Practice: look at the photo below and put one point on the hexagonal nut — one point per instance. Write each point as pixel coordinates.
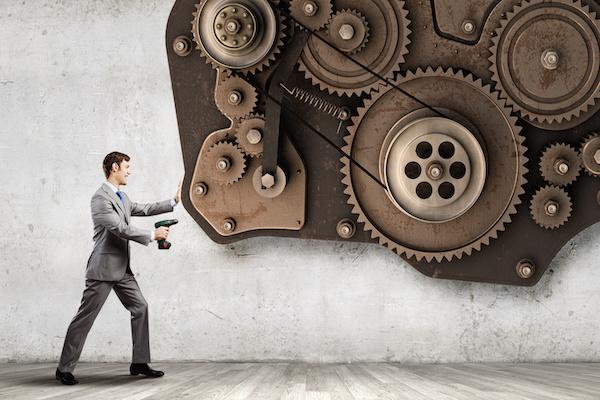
(525, 269)
(268, 181)
(597, 156)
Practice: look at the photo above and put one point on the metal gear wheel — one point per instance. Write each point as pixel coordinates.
(590, 155)
(313, 14)
(249, 135)
(560, 164)
(551, 207)
(546, 60)
(226, 162)
(383, 53)
(235, 97)
(240, 35)
(348, 31)
(481, 114)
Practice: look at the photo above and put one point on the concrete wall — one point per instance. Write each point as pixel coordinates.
(81, 78)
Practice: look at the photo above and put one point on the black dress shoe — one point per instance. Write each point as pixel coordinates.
(144, 369)
(66, 378)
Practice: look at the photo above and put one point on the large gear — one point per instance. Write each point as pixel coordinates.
(312, 14)
(546, 60)
(383, 54)
(249, 135)
(551, 207)
(240, 35)
(480, 114)
(560, 164)
(590, 155)
(225, 162)
(235, 97)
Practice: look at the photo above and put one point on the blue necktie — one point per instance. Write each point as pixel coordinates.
(120, 194)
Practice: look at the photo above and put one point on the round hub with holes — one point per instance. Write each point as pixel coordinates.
(434, 168)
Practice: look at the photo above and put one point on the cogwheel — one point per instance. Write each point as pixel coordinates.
(560, 164)
(226, 163)
(546, 60)
(240, 35)
(551, 207)
(590, 155)
(348, 31)
(249, 135)
(313, 14)
(387, 117)
(383, 53)
(235, 97)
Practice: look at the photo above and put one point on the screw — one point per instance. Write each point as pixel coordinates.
(268, 181)
(254, 136)
(468, 26)
(346, 229)
(435, 171)
(551, 208)
(229, 225)
(597, 156)
(223, 15)
(561, 167)
(234, 98)
(550, 59)
(346, 31)
(201, 189)
(182, 46)
(525, 269)
(232, 27)
(223, 164)
(309, 8)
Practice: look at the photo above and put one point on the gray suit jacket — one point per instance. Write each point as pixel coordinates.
(112, 232)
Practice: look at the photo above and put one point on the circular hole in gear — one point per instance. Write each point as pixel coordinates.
(424, 150)
(446, 150)
(412, 170)
(458, 170)
(424, 190)
(446, 190)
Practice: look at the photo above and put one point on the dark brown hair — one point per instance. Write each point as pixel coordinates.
(110, 159)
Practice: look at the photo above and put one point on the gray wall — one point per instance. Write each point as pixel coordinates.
(81, 78)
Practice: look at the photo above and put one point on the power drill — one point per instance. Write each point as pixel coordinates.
(163, 244)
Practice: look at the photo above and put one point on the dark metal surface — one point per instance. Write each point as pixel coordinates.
(193, 82)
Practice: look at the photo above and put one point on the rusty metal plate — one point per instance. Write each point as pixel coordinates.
(536, 124)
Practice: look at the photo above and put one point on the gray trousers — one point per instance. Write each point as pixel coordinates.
(94, 296)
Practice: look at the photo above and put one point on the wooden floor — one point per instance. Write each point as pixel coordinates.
(361, 381)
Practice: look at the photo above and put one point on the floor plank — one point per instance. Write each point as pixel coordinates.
(299, 381)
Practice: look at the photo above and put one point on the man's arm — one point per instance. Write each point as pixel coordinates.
(105, 215)
(149, 209)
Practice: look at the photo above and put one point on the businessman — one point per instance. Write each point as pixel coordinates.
(108, 268)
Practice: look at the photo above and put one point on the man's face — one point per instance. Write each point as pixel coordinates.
(121, 172)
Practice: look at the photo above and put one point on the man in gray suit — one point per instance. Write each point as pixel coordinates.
(108, 268)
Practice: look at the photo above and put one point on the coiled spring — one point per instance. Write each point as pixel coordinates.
(320, 104)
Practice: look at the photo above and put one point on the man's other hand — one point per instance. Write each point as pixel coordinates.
(178, 194)
(161, 233)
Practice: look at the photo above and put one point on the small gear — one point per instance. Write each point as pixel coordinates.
(235, 97)
(383, 54)
(546, 60)
(560, 164)
(313, 14)
(225, 163)
(249, 135)
(348, 31)
(551, 207)
(240, 35)
(590, 155)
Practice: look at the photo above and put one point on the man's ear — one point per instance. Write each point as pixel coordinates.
(115, 167)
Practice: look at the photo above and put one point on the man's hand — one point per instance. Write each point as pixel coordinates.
(178, 194)
(161, 233)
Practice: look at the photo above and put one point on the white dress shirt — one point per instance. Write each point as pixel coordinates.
(116, 189)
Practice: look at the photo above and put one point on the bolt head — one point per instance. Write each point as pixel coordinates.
(562, 167)
(345, 229)
(550, 59)
(525, 269)
(200, 189)
(234, 98)
(597, 156)
(223, 164)
(346, 31)
(309, 8)
(468, 26)
(254, 136)
(229, 225)
(551, 208)
(268, 181)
